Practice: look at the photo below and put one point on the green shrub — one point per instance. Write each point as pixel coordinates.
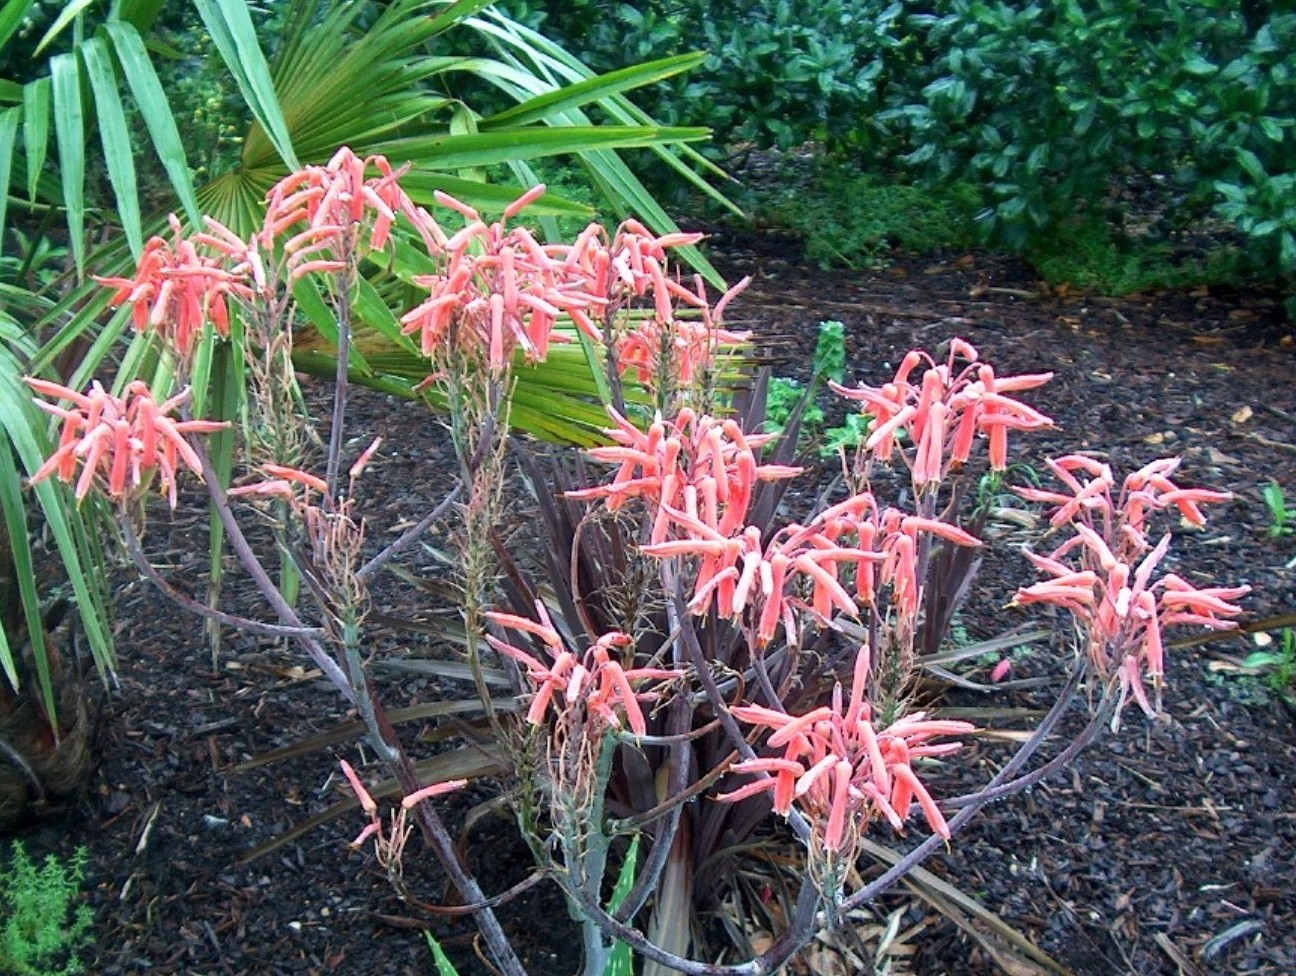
(850, 218)
(1051, 105)
(1089, 254)
(1045, 107)
(780, 72)
(41, 927)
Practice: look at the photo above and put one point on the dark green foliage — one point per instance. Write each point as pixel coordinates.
(1050, 109)
(1051, 105)
(780, 72)
(851, 218)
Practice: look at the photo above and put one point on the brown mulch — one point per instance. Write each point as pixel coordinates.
(1169, 849)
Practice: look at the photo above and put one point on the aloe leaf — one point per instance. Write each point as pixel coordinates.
(443, 964)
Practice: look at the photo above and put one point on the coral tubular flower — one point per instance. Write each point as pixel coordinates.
(119, 443)
(332, 201)
(840, 769)
(499, 290)
(593, 686)
(436, 789)
(943, 411)
(1104, 572)
(180, 286)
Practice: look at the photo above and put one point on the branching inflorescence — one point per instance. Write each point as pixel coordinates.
(710, 692)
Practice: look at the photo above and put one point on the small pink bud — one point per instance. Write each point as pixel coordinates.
(1001, 670)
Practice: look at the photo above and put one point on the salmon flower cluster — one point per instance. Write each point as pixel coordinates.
(634, 270)
(841, 770)
(944, 411)
(499, 289)
(182, 284)
(694, 466)
(1104, 572)
(697, 476)
(594, 681)
(496, 288)
(333, 202)
(119, 442)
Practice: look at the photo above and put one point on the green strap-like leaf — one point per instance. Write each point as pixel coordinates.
(12, 15)
(528, 142)
(36, 117)
(69, 128)
(68, 14)
(8, 138)
(231, 29)
(593, 89)
(116, 139)
(20, 550)
(153, 106)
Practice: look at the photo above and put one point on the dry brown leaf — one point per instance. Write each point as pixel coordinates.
(1242, 415)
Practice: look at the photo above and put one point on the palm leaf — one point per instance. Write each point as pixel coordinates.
(230, 26)
(28, 445)
(69, 132)
(116, 142)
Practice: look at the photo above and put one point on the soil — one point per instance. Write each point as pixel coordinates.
(1168, 849)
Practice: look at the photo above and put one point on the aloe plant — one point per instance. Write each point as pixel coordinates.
(362, 74)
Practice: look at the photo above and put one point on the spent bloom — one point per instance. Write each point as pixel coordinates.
(390, 839)
(944, 410)
(118, 442)
(595, 681)
(1104, 572)
(843, 771)
(335, 537)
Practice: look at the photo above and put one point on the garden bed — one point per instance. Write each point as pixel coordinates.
(1168, 849)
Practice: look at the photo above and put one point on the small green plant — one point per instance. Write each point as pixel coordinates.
(784, 393)
(783, 396)
(1281, 517)
(1278, 666)
(830, 351)
(881, 213)
(40, 924)
(852, 434)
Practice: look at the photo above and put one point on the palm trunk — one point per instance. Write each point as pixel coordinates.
(43, 763)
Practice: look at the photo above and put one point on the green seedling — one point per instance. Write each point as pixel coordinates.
(1281, 518)
(784, 393)
(1278, 666)
(848, 437)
